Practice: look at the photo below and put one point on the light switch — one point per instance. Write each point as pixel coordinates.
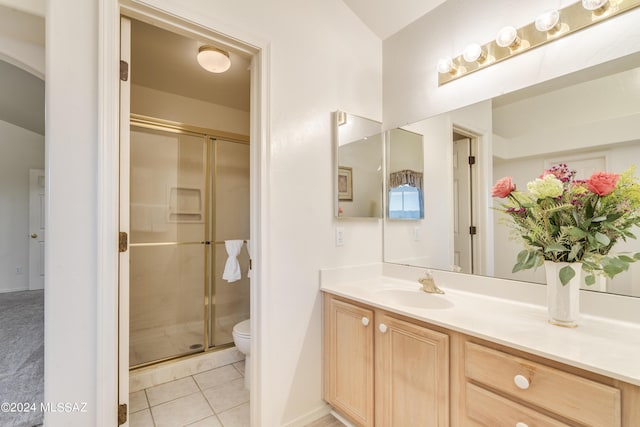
(416, 234)
(339, 236)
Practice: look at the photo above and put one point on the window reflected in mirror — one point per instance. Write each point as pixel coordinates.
(405, 166)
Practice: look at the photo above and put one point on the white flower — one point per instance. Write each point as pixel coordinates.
(547, 186)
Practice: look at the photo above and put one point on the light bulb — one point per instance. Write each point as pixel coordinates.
(594, 5)
(473, 53)
(508, 37)
(445, 65)
(548, 20)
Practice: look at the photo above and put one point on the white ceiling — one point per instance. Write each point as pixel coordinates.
(387, 17)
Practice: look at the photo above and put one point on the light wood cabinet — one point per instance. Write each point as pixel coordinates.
(348, 360)
(430, 376)
(411, 367)
(412, 374)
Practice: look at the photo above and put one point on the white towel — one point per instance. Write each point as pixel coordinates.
(232, 266)
(249, 252)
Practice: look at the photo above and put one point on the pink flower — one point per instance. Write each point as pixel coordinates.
(602, 183)
(504, 187)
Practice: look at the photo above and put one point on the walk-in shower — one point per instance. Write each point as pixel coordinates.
(189, 192)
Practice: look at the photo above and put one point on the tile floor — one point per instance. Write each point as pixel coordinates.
(215, 398)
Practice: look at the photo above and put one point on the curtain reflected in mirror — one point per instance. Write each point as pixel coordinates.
(405, 178)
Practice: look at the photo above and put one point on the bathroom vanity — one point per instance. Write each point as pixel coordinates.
(394, 355)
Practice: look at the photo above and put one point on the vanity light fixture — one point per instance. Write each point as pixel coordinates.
(213, 59)
(473, 53)
(508, 37)
(547, 27)
(548, 21)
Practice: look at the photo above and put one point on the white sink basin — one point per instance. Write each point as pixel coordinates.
(413, 298)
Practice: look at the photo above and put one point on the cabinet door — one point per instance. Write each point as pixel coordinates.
(349, 359)
(412, 374)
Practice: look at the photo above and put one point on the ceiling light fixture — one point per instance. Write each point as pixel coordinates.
(548, 21)
(508, 37)
(213, 59)
(473, 53)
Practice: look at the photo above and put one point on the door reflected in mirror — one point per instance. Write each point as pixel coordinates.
(588, 120)
(358, 169)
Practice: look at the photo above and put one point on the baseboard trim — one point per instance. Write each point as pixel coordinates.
(4, 291)
(310, 417)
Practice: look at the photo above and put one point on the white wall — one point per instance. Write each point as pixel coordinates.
(322, 58)
(411, 91)
(20, 150)
(168, 106)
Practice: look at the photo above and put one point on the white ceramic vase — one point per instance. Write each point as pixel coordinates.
(563, 302)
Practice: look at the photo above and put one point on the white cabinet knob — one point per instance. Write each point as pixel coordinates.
(383, 328)
(365, 321)
(521, 382)
(521, 425)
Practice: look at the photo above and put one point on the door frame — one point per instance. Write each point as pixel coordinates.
(173, 18)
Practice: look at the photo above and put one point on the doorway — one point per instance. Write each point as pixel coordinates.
(198, 135)
(465, 227)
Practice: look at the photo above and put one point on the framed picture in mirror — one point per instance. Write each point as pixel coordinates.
(345, 183)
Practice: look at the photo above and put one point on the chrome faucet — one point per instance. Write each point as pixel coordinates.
(428, 284)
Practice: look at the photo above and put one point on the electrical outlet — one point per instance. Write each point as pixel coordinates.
(416, 234)
(19, 269)
(339, 236)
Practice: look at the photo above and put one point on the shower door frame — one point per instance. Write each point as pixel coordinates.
(210, 136)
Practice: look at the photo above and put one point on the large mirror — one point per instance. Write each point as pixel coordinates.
(358, 171)
(589, 120)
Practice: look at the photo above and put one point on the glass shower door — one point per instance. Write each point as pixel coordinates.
(230, 205)
(168, 253)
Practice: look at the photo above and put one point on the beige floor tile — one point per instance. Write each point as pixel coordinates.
(207, 422)
(182, 411)
(168, 391)
(138, 401)
(227, 396)
(141, 419)
(236, 417)
(239, 366)
(217, 376)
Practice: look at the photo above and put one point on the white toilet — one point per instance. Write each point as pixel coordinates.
(242, 339)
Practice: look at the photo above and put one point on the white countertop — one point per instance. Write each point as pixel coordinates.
(608, 347)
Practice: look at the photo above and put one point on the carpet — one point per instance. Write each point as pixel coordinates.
(22, 357)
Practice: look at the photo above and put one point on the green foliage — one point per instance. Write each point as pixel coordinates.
(577, 226)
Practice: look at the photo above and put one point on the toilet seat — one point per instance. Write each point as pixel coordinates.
(243, 328)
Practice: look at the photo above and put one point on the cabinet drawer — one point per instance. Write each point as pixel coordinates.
(491, 410)
(570, 396)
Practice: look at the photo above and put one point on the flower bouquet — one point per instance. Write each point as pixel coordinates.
(562, 219)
